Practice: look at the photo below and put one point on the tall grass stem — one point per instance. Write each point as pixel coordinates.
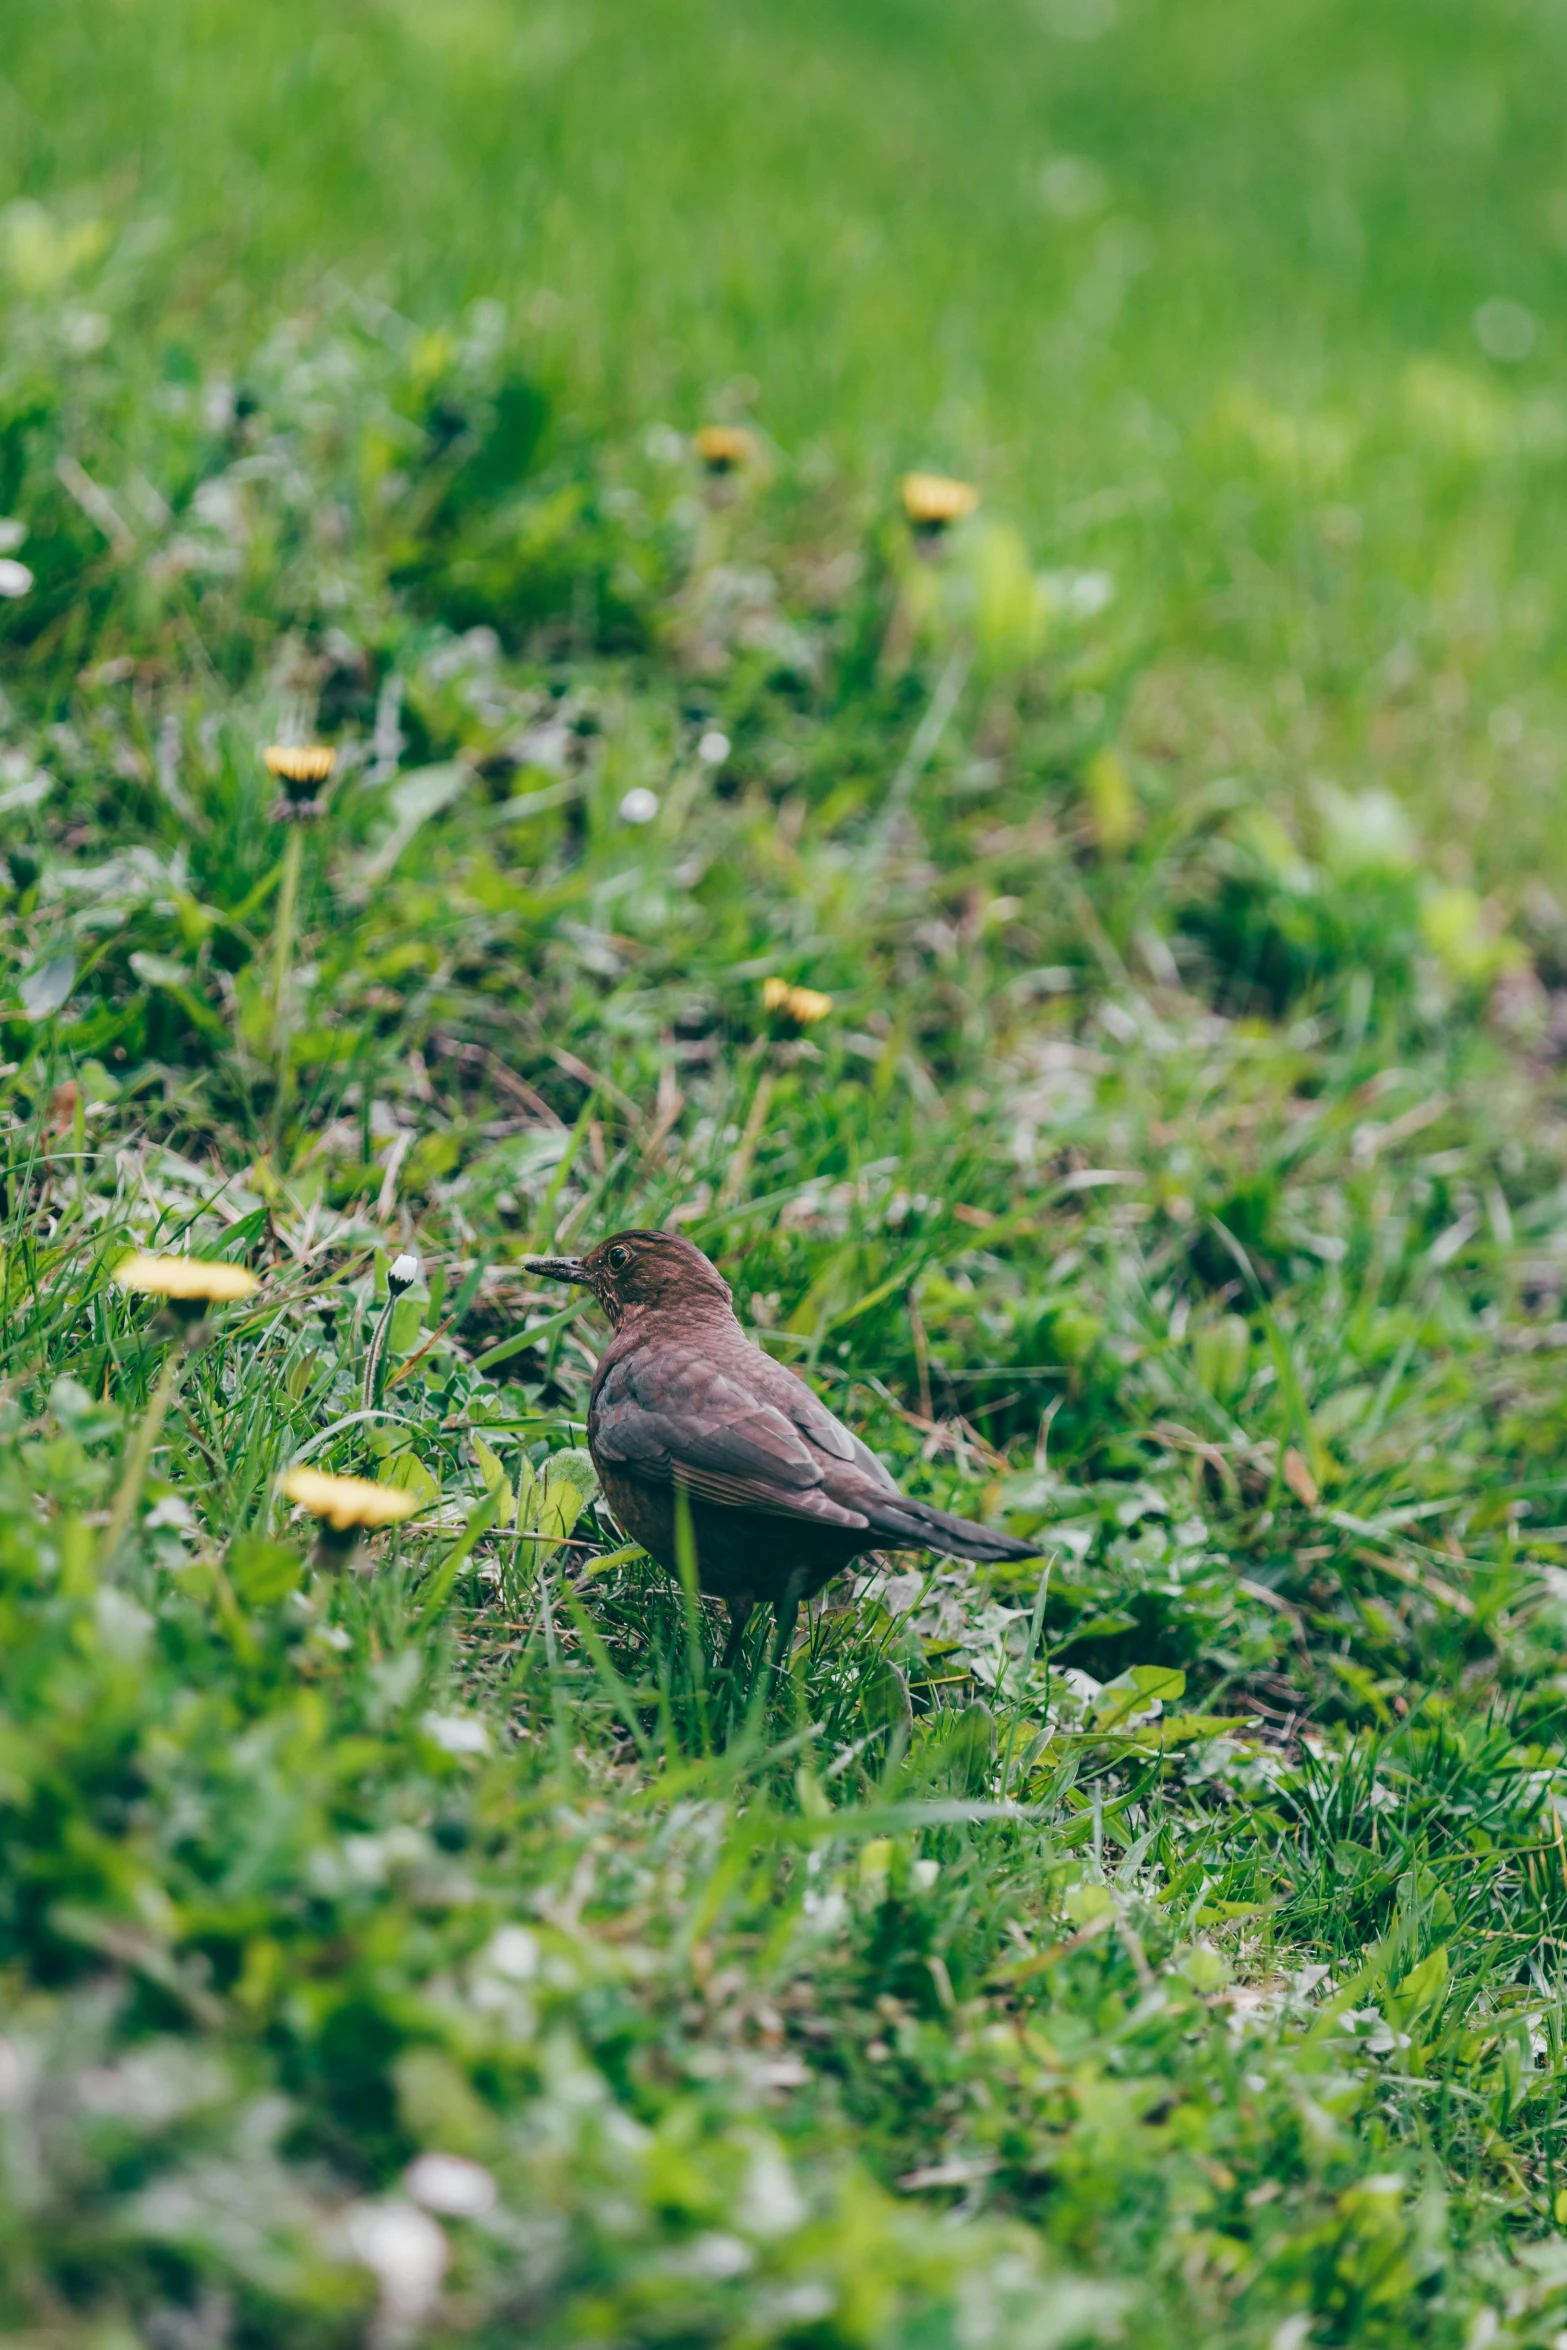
(139, 1456)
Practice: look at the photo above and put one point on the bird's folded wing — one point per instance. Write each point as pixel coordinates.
(829, 1435)
(853, 1473)
(684, 1419)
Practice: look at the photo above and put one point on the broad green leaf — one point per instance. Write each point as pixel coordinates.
(1423, 1986)
(409, 1471)
(1134, 1691)
(495, 1480)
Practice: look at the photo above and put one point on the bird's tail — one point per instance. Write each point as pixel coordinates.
(909, 1525)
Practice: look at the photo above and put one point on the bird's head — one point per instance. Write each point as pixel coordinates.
(642, 1270)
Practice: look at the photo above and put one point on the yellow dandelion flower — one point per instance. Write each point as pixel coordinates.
(300, 763)
(803, 1005)
(186, 1280)
(349, 1503)
(188, 1286)
(724, 448)
(932, 500)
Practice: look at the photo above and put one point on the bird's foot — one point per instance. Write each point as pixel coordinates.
(787, 1612)
(739, 1617)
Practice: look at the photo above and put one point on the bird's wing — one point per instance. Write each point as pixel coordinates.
(856, 1479)
(680, 1416)
(823, 1430)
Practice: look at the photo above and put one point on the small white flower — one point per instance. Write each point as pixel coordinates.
(403, 1272)
(123, 1627)
(451, 2185)
(172, 1511)
(12, 533)
(1078, 595)
(923, 1875)
(457, 1733)
(639, 806)
(769, 2202)
(720, 2256)
(15, 578)
(514, 1953)
(84, 331)
(713, 749)
(406, 2253)
(803, 2304)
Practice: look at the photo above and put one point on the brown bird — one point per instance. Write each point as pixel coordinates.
(781, 1494)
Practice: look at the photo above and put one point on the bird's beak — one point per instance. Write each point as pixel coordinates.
(556, 1268)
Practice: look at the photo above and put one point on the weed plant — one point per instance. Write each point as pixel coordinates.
(1151, 1139)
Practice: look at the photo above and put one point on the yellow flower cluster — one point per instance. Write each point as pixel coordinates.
(185, 1280)
(348, 1502)
(724, 448)
(933, 500)
(300, 763)
(803, 1005)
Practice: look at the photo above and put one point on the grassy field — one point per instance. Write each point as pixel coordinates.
(1161, 1943)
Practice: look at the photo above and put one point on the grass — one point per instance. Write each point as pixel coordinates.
(1161, 1942)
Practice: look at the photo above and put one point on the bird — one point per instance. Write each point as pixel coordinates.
(780, 1494)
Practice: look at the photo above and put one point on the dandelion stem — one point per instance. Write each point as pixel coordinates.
(927, 735)
(140, 1455)
(283, 954)
(375, 1355)
(401, 1274)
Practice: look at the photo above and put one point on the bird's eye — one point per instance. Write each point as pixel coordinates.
(619, 1258)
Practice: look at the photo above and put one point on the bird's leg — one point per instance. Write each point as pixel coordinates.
(787, 1612)
(739, 1616)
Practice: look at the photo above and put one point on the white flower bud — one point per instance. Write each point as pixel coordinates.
(406, 2252)
(451, 2185)
(402, 1273)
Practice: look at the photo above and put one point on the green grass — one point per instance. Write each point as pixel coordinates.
(1162, 1943)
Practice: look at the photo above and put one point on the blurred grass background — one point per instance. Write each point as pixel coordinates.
(1259, 309)
(1173, 1072)
(863, 207)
